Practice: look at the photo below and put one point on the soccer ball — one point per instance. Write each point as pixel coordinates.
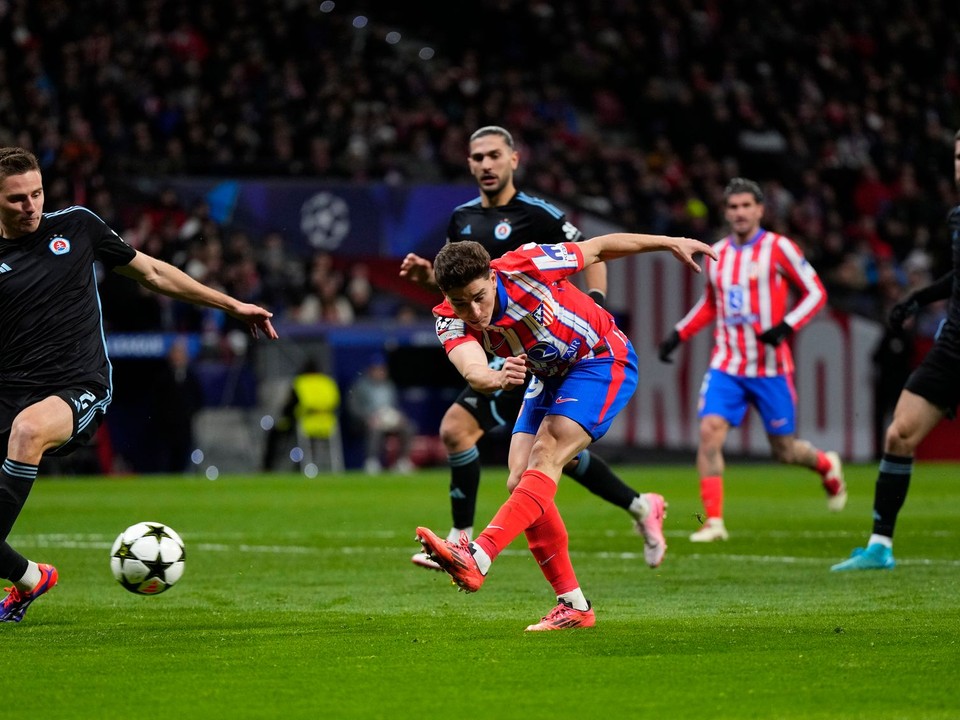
(147, 558)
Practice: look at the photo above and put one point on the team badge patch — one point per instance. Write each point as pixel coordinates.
(502, 230)
(59, 245)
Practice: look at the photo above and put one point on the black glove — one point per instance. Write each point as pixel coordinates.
(901, 311)
(668, 346)
(598, 297)
(776, 335)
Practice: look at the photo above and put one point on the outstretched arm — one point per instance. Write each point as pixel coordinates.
(595, 279)
(617, 245)
(471, 361)
(164, 278)
(939, 289)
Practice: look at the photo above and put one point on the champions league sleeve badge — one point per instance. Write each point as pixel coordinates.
(59, 245)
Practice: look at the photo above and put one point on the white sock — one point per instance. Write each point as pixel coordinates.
(483, 560)
(882, 540)
(575, 597)
(30, 578)
(454, 534)
(639, 507)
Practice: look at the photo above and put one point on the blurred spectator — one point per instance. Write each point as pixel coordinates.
(359, 291)
(324, 300)
(280, 274)
(374, 407)
(179, 397)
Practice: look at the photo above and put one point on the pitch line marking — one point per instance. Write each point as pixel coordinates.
(100, 542)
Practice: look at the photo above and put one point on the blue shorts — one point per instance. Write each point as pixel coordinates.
(591, 394)
(729, 396)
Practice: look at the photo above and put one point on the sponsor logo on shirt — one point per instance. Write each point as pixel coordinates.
(572, 350)
(542, 355)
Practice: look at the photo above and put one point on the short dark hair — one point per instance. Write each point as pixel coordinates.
(493, 130)
(740, 185)
(460, 263)
(16, 161)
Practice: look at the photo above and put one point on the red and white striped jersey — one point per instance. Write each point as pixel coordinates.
(541, 313)
(746, 293)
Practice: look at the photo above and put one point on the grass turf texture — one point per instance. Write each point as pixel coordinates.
(299, 601)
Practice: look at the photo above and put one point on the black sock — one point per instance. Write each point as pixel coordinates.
(16, 480)
(464, 484)
(890, 492)
(13, 565)
(597, 477)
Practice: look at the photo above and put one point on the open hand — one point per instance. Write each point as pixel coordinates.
(686, 248)
(417, 269)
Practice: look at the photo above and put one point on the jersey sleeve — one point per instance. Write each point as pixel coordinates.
(571, 233)
(800, 274)
(550, 262)
(703, 313)
(108, 247)
(451, 330)
(554, 227)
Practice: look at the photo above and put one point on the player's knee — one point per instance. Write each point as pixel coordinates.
(450, 436)
(459, 430)
(454, 434)
(899, 439)
(27, 434)
(711, 433)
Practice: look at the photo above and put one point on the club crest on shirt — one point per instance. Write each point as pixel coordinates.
(544, 315)
(502, 230)
(59, 245)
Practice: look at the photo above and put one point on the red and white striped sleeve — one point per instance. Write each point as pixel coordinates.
(703, 313)
(791, 263)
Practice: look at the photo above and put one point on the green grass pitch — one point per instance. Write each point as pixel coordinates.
(299, 601)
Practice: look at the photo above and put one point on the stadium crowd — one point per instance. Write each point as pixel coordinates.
(637, 111)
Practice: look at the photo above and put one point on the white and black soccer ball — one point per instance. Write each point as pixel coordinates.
(147, 558)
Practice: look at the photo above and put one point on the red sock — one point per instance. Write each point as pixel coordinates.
(823, 464)
(548, 542)
(711, 492)
(532, 496)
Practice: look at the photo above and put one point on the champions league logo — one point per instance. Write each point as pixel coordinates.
(325, 220)
(59, 245)
(502, 230)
